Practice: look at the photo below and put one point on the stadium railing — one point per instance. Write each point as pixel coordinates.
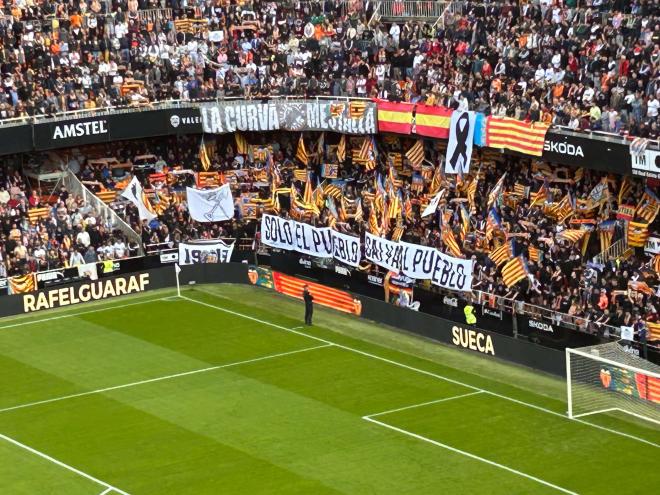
(193, 103)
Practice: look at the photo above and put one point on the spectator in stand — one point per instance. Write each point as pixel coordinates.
(500, 55)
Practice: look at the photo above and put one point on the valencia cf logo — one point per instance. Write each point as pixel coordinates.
(605, 378)
(253, 275)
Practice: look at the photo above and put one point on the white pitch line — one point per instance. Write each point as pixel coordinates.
(437, 401)
(71, 315)
(104, 492)
(63, 465)
(468, 454)
(160, 378)
(424, 372)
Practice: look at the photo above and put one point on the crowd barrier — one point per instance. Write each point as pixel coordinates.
(563, 147)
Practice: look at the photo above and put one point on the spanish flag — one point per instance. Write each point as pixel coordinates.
(432, 121)
(502, 254)
(395, 117)
(638, 233)
(301, 153)
(516, 135)
(514, 271)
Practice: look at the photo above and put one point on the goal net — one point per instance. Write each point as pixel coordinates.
(605, 378)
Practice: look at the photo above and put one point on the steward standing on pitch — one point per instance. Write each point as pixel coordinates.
(309, 305)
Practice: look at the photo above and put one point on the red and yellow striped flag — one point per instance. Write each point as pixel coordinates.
(204, 158)
(516, 135)
(301, 152)
(341, 148)
(534, 253)
(471, 193)
(502, 254)
(539, 197)
(656, 263)
(638, 233)
(654, 330)
(514, 271)
(397, 233)
(415, 155)
(648, 207)
(395, 117)
(571, 235)
(450, 241)
(307, 195)
(241, 144)
(373, 221)
(625, 188)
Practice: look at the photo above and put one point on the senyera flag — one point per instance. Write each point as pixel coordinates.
(516, 135)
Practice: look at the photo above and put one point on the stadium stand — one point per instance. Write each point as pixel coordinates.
(584, 65)
(544, 235)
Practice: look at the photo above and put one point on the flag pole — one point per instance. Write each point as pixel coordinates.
(177, 270)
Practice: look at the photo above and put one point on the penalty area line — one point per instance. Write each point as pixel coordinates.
(422, 404)
(163, 378)
(417, 370)
(468, 454)
(109, 487)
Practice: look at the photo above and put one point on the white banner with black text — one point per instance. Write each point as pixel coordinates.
(211, 251)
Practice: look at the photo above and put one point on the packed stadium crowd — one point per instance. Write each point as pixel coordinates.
(587, 65)
(555, 219)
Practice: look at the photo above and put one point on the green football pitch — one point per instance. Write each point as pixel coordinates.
(223, 391)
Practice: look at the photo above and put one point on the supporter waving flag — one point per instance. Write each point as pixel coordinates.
(135, 195)
(514, 271)
(301, 152)
(648, 207)
(502, 254)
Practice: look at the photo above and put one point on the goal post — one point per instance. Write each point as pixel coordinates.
(605, 378)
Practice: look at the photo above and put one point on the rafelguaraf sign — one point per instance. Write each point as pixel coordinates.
(87, 291)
